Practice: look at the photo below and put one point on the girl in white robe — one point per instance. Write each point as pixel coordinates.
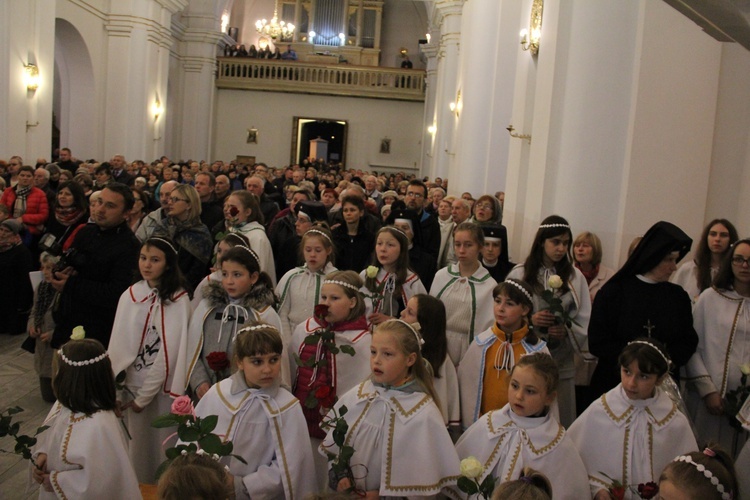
(83, 453)
(550, 256)
(245, 294)
(702, 475)
(722, 320)
(315, 367)
(401, 446)
(230, 240)
(149, 345)
(484, 372)
(524, 433)
(429, 313)
(263, 421)
(299, 289)
(633, 431)
(388, 291)
(466, 290)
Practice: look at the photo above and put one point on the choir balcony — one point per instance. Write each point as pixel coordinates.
(278, 75)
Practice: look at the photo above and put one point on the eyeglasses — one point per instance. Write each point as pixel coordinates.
(172, 199)
(483, 206)
(738, 261)
(412, 194)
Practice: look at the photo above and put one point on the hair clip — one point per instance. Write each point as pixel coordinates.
(85, 362)
(666, 359)
(165, 242)
(518, 285)
(709, 452)
(725, 495)
(552, 226)
(317, 231)
(341, 283)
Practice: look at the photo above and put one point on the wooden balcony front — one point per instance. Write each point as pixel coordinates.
(278, 75)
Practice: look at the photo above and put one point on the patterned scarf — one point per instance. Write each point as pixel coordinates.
(20, 206)
(67, 216)
(45, 297)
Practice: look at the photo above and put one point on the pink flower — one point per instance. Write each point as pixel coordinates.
(183, 406)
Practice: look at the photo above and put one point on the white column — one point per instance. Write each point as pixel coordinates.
(430, 51)
(449, 15)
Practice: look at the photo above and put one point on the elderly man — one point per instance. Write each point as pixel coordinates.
(436, 196)
(99, 267)
(460, 212)
(119, 174)
(154, 218)
(371, 190)
(256, 185)
(41, 181)
(211, 212)
(222, 189)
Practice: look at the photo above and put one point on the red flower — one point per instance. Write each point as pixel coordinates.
(617, 492)
(218, 361)
(648, 490)
(325, 396)
(233, 211)
(320, 313)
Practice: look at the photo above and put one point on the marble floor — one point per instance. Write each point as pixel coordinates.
(19, 386)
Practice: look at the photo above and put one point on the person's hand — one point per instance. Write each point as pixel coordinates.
(34, 331)
(38, 472)
(557, 331)
(713, 403)
(344, 484)
(202, 389)
(46, 336)
(543, 319)
(59, 278)
(131, 405)
(377, 318)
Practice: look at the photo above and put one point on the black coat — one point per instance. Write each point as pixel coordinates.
(106, 263)
(353, 252)
(16, 294)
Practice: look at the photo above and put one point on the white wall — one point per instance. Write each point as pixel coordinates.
(370, 120)
(404, 24)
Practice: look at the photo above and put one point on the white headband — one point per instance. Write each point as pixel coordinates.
(85, 361)
(303, 214)
(341, 283)
(725, 495)
(165, 242)
(420, 340)
(255, 255)
(666, 360)
(262, 326)
(551, 226)
(400, 230)
(316, 231)
(403, 221)
(517, 285)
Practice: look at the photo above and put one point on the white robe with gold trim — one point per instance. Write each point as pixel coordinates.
(631, 441)
(299, 292)
(86, 456)
(399, 439)
(506, 443)
(268, 430)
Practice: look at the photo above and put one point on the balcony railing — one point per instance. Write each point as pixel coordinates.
(329, 79)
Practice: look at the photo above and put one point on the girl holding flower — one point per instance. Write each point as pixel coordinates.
(149, 347)
(722, 320)
(389, 282)
(245, 294)
(550, 272)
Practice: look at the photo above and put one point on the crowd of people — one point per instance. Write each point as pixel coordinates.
(284, 299)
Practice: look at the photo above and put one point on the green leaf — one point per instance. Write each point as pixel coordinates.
(41, 429)
(240, 459)
(208, 424)
(343, 410)
(311, 340)
(188, 434)
(172, 453)
(311, 401)
(162, 421)
(334, 350)
(467, 485)
(347, 349)
(210, 443)
(226, 449)
(488, 485)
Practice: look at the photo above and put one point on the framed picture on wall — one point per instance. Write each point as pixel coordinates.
(252, 135)
(385, 146)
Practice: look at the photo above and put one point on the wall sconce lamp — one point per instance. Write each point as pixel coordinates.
(31, 77)
(530, 38)
(157, 109)
(510, 130)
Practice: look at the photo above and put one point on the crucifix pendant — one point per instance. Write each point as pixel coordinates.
(648, 327)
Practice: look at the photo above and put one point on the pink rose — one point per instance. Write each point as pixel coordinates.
(183, 406)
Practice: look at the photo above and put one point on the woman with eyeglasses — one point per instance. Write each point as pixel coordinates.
(722, 320)
(696, 275)
(182, 225)
(487, 210)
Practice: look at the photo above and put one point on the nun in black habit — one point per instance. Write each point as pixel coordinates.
(639, 301)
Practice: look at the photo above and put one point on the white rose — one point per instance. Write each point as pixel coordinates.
(745, 369)
(78, 333)
(471, 468)
(555, 282)
(372, 271)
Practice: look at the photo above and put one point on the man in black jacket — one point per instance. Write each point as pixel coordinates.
(416, 193)
(99, 266)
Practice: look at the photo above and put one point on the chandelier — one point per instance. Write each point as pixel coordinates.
(275, 28)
